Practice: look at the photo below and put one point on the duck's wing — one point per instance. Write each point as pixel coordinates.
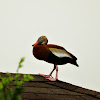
(60, 51)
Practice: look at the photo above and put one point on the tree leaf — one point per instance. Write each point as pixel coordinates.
(20, 66)
(9, 74)
(22, 60)
(1, 86)
(17, 76)
(10, 79)
(30, 77)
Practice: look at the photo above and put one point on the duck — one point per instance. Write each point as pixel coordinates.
(52, 53)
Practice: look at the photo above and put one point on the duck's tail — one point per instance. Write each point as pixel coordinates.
(74, 62)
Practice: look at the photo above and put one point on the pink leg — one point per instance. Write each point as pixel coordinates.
(50, 75)
(56, 78)
(56, 73)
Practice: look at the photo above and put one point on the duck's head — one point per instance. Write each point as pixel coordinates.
(41, 40)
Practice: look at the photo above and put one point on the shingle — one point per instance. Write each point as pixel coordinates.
(86, 97)
(63, 85)
(50, 97)
(30, 96)
(50, 91)
(38, 84)
(38, 90)
(98, 95)
(60, 97)
(86, 91)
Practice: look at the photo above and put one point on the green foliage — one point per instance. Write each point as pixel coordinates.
(11, 86)
(20, 64)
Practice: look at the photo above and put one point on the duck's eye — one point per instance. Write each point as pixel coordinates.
(40, 37)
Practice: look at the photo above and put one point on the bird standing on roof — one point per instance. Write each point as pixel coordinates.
(51, 53)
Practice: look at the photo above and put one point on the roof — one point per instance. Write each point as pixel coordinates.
(43, 89)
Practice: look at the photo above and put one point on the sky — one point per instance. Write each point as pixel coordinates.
(73, 24)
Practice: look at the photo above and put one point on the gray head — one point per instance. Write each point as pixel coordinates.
(43, 40)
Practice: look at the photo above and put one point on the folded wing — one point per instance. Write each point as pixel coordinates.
(60, 52)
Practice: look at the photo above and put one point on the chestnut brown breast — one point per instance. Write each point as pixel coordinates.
(41, 52)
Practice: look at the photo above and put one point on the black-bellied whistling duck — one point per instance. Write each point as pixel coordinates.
(54, 54)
